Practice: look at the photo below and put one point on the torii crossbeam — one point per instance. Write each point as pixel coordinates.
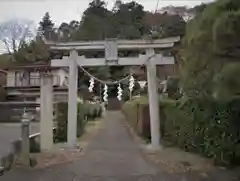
(111, 48)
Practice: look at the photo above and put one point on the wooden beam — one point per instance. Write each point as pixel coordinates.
(122, 44)
(129, 61)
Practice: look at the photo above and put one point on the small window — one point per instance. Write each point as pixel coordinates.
(22, 78)
(18, 78)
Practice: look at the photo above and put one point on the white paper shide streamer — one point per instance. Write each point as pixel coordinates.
(105, 93)
(131, 83)
(91, 86)
(119, 92)
(142, 83)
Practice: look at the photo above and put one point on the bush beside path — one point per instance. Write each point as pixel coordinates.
(177, 137)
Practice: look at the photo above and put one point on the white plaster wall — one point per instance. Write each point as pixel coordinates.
(10, 78)
(62, 75)
(55, 77)
(58, 77)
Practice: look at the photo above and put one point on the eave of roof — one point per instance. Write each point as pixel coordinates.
(34, 65)
(3, 71)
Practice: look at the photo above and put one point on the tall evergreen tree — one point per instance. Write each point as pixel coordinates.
(129, 20)
(95, 23)
(46, 26)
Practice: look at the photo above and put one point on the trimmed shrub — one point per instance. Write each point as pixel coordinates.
(61, 120)
(81, 122)
(86, 112)
(208, 127)
(173, 87)
(137, 114)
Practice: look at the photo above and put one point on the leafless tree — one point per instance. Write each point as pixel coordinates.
(14, 33)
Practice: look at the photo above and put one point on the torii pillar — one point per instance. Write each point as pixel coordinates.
(46, 111)
(153, 102)
(72, 99)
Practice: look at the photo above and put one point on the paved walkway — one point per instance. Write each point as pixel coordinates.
(111, 156)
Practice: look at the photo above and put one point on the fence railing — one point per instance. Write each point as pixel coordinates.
(12, 111)
(31, 81)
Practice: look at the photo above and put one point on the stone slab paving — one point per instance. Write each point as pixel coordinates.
(112, 155)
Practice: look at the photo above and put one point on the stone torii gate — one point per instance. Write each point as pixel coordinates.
(111, 47)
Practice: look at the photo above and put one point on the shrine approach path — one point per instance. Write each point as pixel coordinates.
(112, 155)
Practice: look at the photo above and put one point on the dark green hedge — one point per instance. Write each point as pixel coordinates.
(208, 127)
(137, 114)
(86, 112)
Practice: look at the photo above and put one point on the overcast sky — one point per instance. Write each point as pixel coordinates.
(67, 10)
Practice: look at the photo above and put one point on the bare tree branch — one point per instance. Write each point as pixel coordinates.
(26, 33)
(14, 46)
(7, 46)
(15, 33)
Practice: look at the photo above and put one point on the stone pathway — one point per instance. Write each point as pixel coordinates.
(112, 155)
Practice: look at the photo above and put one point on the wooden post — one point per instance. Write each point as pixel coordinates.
(72, 100)
(46, 112)
(153, 102)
